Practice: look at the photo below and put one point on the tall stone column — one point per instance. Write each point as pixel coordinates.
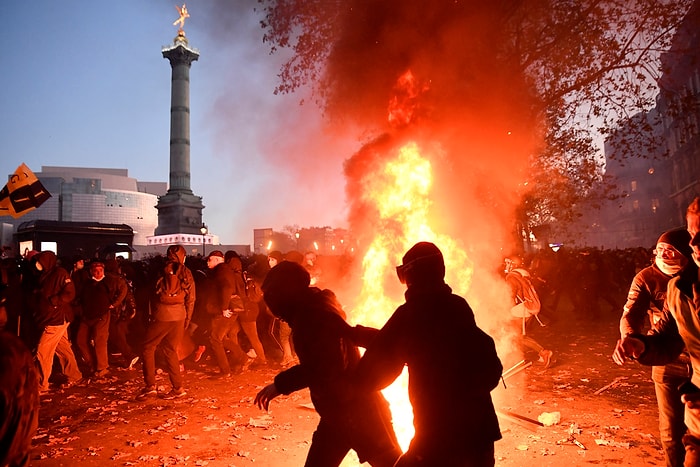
(179, 210)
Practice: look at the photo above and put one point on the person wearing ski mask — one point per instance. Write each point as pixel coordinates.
(642, 311)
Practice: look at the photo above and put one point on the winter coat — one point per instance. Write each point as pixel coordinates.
(221, 284)
(452, 366)
(179, 311)
(55, 292)
(678, 328)
(327, 355)
(101, 297)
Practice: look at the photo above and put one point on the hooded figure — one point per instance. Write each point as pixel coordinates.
(171, 316)
(52, 312)
(452, 367)
(350, 418)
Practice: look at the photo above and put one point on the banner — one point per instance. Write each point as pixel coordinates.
(22, 194)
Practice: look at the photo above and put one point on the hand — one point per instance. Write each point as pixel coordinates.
(628, 348)
(692, 402)
(227, 313)
(266, 394)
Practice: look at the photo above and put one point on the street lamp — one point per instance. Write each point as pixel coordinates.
(296, 234)
(204, 231)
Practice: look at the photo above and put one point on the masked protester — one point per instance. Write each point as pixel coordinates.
(677, 328)
(452, 367)
(642, 311)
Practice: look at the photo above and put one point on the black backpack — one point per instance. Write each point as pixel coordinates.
(171, 285)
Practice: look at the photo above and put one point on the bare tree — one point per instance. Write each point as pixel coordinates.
(570, 69)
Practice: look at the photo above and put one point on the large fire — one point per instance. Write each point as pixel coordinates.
(401, 195)
(394, 185)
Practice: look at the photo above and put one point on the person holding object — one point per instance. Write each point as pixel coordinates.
(677, 328)
(452, 367)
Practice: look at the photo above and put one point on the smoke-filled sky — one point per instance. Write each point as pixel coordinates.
(84, 84)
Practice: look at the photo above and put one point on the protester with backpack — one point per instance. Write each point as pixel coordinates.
(525, 306)
(171, 306)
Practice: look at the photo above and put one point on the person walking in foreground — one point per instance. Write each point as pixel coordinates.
(351, 418)
(643, 309)
(52, 311)
(171, 311)
(677, 328)
(452, 367)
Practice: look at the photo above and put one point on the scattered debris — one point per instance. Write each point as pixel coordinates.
(614, 383)
(549, 418)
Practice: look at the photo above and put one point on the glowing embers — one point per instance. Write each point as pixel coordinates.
(404, 105)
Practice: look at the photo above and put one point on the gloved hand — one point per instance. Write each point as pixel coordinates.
(227, 313)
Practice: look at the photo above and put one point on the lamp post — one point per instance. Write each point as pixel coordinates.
(204, 230)
(296, 234)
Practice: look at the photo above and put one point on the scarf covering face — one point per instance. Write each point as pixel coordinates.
(669, 266)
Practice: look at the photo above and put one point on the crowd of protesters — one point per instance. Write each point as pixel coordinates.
(94, 313)
(82, 316)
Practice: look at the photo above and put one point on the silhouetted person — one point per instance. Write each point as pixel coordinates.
(19, 401)
(350, 418)
(452, 367)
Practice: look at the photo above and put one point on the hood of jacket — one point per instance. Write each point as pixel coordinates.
(177, 253)
(47, 259)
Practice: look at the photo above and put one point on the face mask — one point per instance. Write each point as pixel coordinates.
(670, 267)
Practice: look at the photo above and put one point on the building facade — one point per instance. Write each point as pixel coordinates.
(656, 185)
(101, 195)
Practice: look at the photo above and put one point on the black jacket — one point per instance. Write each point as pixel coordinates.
(452, 365)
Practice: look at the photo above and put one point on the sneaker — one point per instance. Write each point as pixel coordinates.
(175, 393)
(149, 391)
(199, 352)
(247, 364)
(546, 358)
(133, 362)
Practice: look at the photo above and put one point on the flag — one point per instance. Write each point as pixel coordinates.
(22, 194)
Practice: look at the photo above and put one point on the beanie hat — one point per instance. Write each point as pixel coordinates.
(276, 254)
(422, 263)
(678, 239)
(218, 253)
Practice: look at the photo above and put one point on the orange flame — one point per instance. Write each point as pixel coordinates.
(400, 194)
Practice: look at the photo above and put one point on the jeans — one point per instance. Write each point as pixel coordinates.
(224, 336)
(169, 335)
(119, 337)
(54, 342)
(96, 357)
(671, 411)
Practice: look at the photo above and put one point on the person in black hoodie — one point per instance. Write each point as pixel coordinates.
(350, 418)
(169, 317)
(452, 367)
(52, 310)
